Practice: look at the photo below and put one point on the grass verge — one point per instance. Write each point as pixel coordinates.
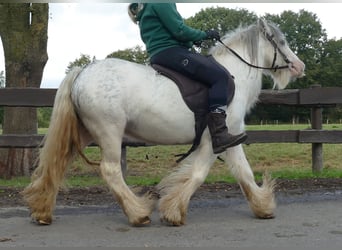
(92, 181)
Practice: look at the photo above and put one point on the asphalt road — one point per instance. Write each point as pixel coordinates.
(311, 219)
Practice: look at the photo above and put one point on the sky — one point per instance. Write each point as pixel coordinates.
(98, 29)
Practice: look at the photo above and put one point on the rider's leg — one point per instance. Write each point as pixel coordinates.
(221, 85)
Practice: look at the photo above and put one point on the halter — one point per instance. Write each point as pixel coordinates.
(270, 38)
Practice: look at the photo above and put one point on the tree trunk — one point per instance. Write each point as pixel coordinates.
(23, 30)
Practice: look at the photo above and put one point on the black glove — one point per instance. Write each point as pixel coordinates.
(213, 35)
(198, 43)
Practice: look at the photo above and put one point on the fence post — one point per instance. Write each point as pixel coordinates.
(123, 161)
(316, 148)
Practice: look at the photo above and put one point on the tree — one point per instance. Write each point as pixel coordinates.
(330, 74)
(330, 64)
(136, 54)
(82, 61)
(222, 19)
(23, 30)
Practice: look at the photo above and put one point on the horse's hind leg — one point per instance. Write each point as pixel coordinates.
(177, 189)
(137, 209)
(260, 199)
(47, 177)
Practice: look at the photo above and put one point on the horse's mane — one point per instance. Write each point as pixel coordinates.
(249, 37)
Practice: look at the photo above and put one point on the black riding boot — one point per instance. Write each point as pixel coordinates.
(221, 139)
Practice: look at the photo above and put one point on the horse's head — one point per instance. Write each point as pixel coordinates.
(287, 66)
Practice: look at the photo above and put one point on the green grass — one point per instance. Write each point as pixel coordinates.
(16, 182)
(147, 165)
(91, 181)
(291, 127)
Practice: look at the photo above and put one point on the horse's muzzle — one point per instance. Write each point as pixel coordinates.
(297, 68)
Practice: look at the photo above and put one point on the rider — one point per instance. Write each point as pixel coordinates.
(168, 41)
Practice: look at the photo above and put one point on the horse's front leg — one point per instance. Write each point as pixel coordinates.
(260, 198)
(177, 189)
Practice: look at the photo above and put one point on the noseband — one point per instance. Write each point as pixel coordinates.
(270, 38)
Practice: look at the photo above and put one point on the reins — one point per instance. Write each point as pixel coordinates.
(273, 67)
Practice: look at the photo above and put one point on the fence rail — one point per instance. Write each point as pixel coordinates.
(259, 136)
(314, 98)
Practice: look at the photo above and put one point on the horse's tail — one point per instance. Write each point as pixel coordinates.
(61, 143)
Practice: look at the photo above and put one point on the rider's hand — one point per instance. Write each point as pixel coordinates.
(198, 43)
(213, 35)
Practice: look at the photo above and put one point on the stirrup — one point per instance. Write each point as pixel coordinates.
(238, 139)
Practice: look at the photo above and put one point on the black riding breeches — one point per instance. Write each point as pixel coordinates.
(201, 68)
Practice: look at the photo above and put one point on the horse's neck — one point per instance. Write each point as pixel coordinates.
(248, 81)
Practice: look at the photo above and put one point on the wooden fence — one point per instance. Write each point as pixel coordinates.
(314, 98)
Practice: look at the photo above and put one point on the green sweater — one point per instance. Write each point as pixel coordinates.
(162, 27)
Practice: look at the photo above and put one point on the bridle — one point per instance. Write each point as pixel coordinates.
(270, 38)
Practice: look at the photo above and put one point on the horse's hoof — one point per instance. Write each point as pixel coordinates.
(267, 216)
(142, 222)
(43, 222)
(171, 223)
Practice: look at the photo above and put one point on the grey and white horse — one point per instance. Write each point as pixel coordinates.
(113, 98)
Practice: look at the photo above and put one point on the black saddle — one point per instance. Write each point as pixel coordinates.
(195, 94)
